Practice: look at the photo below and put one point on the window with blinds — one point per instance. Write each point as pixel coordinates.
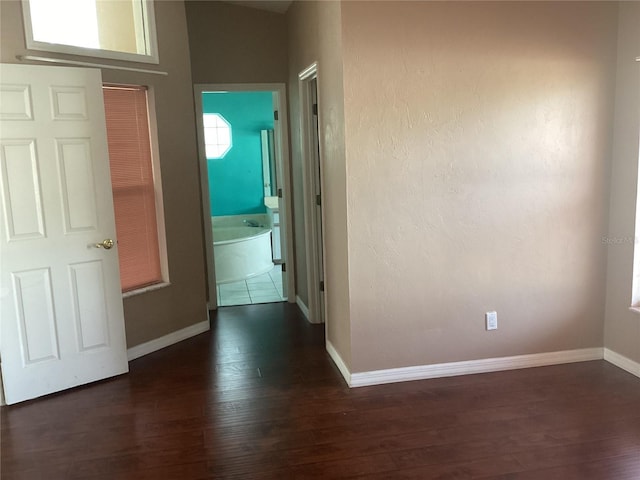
(132, 180)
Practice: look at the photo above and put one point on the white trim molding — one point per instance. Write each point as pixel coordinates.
(77, 63)
(303, 307)
(311, 71)
(622, 362)
(312, 185)
(2, 403)
(337, 359)
(168, 340)
(423, 372)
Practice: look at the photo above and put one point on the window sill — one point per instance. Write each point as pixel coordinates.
(64, 61)
(150, 288)
(635, 309)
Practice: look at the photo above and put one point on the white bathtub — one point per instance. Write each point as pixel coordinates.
(241, 252)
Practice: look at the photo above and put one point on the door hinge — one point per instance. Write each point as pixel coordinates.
(322, 285)
(284, 267)
(279, 193)
(315, 109)
(318, 200)
(275, 115)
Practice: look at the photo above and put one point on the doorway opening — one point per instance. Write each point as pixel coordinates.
(244, 170)
(313, 186)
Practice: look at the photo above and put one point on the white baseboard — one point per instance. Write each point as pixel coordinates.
(422, 372)
(303, 307)
(337, 359)
(2, 403)
(622, 362)
(162, 342)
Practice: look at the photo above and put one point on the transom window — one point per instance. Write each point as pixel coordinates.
(123, 30)
(217, 135)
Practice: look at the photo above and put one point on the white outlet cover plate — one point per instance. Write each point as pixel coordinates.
(491, 320)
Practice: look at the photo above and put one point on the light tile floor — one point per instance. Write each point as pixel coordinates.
(266, 288)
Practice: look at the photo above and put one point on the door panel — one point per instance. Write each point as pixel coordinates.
(62, 321)
(16, 102)
(21, 189)
(69, 103)
(76, 182)
(35, 315)
(87, 289)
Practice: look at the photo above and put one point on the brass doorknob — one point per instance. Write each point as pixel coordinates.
(107, 243)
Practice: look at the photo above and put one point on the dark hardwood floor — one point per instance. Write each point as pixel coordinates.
(258, 397)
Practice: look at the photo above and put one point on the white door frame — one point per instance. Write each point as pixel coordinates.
(281, 134)
(312, 215)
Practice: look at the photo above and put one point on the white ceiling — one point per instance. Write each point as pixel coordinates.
(278, 6)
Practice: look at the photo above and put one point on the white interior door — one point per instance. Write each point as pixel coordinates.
(61, 315)
(312, 186)
(281, 236)
(317, 185)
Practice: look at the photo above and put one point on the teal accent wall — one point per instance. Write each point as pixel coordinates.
(235, 181)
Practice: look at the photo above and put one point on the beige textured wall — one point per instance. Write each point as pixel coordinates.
(234, 44)
(478, 141)
(622, 327)
(334, 188)
(158, 313)
(303, 37)
(315, 35)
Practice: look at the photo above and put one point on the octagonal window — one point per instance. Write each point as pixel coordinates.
(217, 135)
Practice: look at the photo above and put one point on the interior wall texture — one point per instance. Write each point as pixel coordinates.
(236, 183)
(234, 44)
(154, 314)
(315, 35)
(478, 145)
(622, 326)
(303, 38)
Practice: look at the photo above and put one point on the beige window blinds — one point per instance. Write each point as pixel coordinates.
(133, 187)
